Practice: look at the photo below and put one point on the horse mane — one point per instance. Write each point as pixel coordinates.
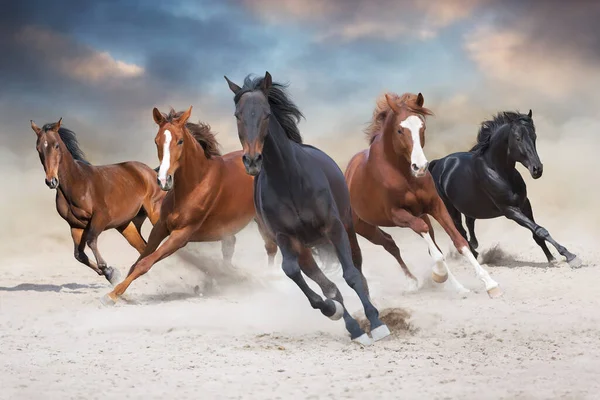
(70, 140)
(489, 128)
(382, 109)
(282, 107)
(201, 132)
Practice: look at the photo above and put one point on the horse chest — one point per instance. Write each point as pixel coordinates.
(302, 216)
(71, 213)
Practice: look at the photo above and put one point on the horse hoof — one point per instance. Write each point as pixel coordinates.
(363, 340)
(575, 262)
(495, 292)
(439, 278)
(106, 300)
(381, 332)
(412, 285)
(113, 275)
(339, 310)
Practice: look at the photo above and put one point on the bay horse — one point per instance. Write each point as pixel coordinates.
(483, 183)
(93, 199)
(301, 197)
(209, 195)
(390, 186)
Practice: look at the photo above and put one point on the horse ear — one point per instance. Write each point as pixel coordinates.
(157, 116)
(392, 103)
(185, 116)
(420, 100)
(57, 125)
(530, 114)
(267, 82)
(35, 128)
(234, 88)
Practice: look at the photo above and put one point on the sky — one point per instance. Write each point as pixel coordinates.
(103, 65)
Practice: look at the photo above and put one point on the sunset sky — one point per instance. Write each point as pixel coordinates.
(103, 65)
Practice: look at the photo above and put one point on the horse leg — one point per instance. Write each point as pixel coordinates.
(355, 279)
(90, 234)
(457, 220)
(311, 269)
(356, 253)
(291, 266)
(270, 245)
(227, 248)
(440, 213)
(520, 218)
(376, 236)
(177, 239)
(133, 236)
(472, 238)
(528, 211)
(77, 235)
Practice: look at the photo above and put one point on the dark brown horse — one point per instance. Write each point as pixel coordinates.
(390, 186)
(210, 197)
(93, 199)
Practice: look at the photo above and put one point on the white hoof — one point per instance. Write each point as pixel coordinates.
(412, 285)
(381, 332)
(339, 311)
(107, 301)
(363, 340)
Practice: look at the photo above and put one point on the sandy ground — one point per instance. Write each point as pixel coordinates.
(259, 339)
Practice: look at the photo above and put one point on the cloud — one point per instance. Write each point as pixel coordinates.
(343, 20)
(74, 60)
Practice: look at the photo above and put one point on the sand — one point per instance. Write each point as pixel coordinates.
(256, 337)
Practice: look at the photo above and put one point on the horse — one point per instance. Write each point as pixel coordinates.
(301, 197)
(209, 195)
(93, 199)
(483, 183)
(390, 186)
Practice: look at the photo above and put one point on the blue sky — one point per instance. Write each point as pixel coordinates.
(103, 66)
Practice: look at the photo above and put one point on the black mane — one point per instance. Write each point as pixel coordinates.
(286, 112)
(491, 127)
(70, 140)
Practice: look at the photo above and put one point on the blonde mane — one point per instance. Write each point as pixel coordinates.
(382, 108)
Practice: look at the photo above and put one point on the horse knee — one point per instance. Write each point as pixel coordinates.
(291, 268)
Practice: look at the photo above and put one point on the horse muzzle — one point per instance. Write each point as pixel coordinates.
(536, 171)
(165, 184)
(52, 183)
(419, 171)
(253, 164)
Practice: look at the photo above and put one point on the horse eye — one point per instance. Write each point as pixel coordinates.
(400, 131)
(180, 142)
(56, 145)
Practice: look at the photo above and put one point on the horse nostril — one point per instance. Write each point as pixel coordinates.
(258, 158)
(246, 159)
(415, 167)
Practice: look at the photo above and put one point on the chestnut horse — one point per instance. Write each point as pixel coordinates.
(209, 195)
(93, 199)
(390, 186)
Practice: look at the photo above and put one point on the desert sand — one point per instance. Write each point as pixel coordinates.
(253, 335)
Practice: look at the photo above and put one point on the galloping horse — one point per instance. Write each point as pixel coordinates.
(209, 196)
(390, 186)
(93, 199)
(484, 183)
(301, 196)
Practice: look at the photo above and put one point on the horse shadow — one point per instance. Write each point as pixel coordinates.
(35, 287)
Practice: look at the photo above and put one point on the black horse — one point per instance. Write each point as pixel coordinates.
(484, 183)
(301, 196)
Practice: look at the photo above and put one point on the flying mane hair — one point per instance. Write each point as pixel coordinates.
(70, 140)
(491, 127)
(201, 132)
(282, 107)
(382, 108)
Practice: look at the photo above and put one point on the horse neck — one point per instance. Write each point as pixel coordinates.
(70, 175)
(193, 167)
(279, 159)
(497, 153)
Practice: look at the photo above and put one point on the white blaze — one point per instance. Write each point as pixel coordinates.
(166, 159)
(414, 124)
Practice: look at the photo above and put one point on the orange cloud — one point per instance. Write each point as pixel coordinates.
(75, 61)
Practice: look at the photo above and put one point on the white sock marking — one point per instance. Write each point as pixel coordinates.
(440, 267)
(166, 159)
(414, 124)
(481, 273)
